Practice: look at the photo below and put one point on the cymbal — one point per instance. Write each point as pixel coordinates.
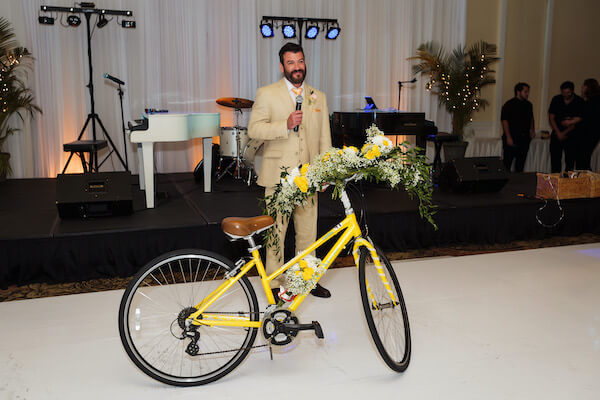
(235, 102)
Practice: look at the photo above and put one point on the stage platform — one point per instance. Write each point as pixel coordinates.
(37, 246)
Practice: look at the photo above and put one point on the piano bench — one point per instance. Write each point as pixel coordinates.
(80, 147)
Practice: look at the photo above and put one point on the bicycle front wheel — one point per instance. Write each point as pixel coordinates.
(154, 309)
(384, 308)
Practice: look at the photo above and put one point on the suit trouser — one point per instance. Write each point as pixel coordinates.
(305, 226)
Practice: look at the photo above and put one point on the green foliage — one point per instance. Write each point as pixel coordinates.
(15, 97)
(457, 77)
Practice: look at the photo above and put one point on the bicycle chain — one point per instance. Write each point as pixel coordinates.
(243, 348)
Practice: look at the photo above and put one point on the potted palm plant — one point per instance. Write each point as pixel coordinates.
(16, 99)
(457, 79)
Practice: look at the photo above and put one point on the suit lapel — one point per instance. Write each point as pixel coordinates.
(285, 95)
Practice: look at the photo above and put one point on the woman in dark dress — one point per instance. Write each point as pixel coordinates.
(590, 137)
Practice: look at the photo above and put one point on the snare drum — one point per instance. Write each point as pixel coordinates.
(252, 155)
(229, 141)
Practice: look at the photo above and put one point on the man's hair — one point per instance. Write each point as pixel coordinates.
(520, 86)
(567, 85)
(291, 47)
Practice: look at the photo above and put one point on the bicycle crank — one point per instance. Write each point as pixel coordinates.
(281, 326)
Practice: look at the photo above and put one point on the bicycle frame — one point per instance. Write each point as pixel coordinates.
(349, 229)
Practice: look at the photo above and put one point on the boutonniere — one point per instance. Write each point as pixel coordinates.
(312, 97)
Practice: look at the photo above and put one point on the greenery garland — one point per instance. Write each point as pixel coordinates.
(378, 160)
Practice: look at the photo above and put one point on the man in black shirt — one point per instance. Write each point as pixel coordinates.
(518, 127)
(565, 112)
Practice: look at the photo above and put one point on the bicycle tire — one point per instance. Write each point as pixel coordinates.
(169, 284)
(393, 342)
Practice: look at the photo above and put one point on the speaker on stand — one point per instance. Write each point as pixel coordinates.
(474, 174)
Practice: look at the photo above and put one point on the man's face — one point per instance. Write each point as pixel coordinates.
(523, 94)
(567, 94)
(293, 67)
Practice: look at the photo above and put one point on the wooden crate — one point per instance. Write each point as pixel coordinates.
(594, 183)
(553, 186)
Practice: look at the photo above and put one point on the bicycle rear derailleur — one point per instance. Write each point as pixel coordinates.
(280, 326)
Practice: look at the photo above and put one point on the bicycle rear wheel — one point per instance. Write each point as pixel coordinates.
(156, 304)
(384, 308)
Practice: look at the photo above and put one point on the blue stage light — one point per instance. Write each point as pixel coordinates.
(311, 32)
(289, 31)
(267, 30)
(333, 32)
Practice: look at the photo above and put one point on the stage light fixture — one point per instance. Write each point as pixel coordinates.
(289, 30)
(312, 31)
(73, 20)
(333, 32)
(102, 21)
(45, 20)
(266, 29)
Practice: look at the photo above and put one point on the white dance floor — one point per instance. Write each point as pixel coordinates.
(515, 325)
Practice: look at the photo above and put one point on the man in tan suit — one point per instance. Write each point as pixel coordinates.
(274, 117)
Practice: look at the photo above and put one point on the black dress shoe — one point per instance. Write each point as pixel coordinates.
(320, 291)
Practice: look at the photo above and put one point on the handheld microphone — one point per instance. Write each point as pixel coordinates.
(115, 80)
(298, 107)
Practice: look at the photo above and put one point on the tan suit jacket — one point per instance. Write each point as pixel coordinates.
(268, 122)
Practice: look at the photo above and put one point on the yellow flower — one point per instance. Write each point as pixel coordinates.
(298, 272)
(373, 152)
(354, 149)
(307, 273)
(302, 183)
(365, 148)
(303, 264)
(340, 152)
(304, 169)
(387, 142)
(326, 156)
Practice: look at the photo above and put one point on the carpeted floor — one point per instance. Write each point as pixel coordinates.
(38, 290)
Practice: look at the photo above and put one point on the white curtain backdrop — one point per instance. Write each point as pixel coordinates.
(184, 54)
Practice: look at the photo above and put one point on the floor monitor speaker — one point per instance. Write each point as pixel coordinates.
(96, 194)
(474, 174)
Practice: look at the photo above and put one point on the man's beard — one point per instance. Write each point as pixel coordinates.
(290, 76)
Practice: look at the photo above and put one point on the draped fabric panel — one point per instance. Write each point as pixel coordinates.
(184, 54)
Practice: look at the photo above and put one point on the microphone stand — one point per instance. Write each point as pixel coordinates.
(120, 91)
(400, 89)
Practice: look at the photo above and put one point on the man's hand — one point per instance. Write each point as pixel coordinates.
(510, 141)
(561, 135)
(294, 119)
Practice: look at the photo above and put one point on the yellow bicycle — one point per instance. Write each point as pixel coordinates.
(189, 317)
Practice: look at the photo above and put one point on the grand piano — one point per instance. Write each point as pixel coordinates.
(348, 128)
(172, 127)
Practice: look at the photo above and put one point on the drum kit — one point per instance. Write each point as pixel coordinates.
(241, 154)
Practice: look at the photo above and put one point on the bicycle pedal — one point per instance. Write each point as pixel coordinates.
(318, 330)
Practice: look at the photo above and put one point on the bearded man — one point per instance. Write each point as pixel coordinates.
(292, 137)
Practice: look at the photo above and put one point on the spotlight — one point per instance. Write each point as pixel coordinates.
(266, 29)
(46, 20)
(333, 32)
(311, 31)
(102, 21)
(289, 30)
(73, 20)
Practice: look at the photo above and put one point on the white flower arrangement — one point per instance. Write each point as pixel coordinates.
(377, 160)
(301, 278)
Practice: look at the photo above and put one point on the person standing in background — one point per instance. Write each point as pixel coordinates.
(590, 124)
(564, 113)
(518, 127)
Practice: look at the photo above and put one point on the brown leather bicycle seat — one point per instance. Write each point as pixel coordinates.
(239, 226)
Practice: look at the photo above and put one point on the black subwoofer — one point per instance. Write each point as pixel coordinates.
(474, 174)
(97, 194)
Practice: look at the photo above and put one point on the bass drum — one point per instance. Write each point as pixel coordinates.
(252, 156)
(229, 141)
